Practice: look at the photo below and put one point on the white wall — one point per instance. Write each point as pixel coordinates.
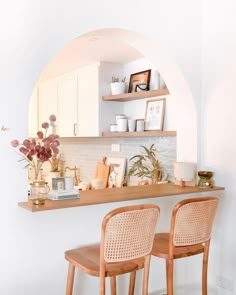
(219, 121)
(32, 245)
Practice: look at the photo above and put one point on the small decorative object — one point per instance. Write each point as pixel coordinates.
(141, 87)
(155, 80)
(117, 171)
(155, 110)
(162, 83)
(146, 165)
(139, 81)
(185, 174)
(69, 183)
(205, 180)
(122, 124)
(37, 153)
(140, 125)
(58, 183)
(131, 125)
(117, 86)
(97, 183)
(84, 186)
(113, 127)
(38, 192)
(119, 116)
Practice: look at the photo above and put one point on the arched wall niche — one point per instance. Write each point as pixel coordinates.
(110, 44)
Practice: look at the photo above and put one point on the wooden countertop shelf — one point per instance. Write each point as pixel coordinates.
(136, 95)
(93, 197)
(140, 134)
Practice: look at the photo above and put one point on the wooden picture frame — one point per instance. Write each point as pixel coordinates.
(117, 171)
(139, 81)
(154, 117)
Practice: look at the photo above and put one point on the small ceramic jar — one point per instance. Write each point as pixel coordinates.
(122, 125)
(97, 183)
(119, 116)
(113, 127)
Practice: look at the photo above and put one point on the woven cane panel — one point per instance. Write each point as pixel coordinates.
(194, 222)
(130, 235)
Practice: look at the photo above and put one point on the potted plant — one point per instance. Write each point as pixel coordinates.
(146, 165)
(117, 86)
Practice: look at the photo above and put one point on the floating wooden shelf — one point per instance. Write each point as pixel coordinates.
(139, 134)
(136, 95)
(109, 195)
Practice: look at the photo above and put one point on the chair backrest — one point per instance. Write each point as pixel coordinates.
(192, 221)
(128, 232)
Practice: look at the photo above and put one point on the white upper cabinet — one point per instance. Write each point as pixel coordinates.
(76, 100)
(88, 101)
(47, 100)
(33, 114)
(67, 105)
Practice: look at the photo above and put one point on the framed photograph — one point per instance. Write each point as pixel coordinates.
(117, 171)
(155, 110)
(139, 81)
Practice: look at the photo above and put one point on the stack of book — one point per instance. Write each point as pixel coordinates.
(63, 194)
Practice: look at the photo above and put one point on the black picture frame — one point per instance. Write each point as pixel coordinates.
(139, 81)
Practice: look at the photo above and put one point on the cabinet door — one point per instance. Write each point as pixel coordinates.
(67, 105)
(47, 94)
(33, 114)
(88, 101)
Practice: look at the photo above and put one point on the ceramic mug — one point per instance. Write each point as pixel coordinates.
(131, 125)
(69, 183)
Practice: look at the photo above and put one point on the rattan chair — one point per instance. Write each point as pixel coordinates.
(126, 243)
(190, 234)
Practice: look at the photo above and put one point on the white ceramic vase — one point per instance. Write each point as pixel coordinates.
(117, 88)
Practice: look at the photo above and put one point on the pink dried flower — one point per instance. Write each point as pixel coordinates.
(45, 125)
(52, 118)
(36, 153)
(15, 143)
(40, 134)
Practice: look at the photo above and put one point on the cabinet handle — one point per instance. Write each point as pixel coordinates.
(75, 129)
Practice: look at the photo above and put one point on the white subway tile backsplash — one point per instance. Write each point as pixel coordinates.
(86, 152)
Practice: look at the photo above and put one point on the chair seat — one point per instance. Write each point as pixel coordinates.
(87, 259)
(161, 248)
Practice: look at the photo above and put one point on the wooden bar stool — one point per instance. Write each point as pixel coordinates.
(190, 234)
(126, 242)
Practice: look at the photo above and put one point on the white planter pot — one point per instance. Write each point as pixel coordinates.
(117, 88)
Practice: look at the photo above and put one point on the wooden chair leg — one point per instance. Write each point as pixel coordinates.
(102, 286)
(70, 279)
(204, 268)
(132, 282)
(113, 285)
(146, 274)
(169, 276)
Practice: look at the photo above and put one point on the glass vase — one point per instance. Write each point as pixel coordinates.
(38, 192)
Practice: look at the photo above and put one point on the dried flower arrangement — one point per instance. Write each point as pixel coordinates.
(37, 153)
(116, 79)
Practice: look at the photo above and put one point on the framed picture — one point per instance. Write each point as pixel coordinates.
(154, 117)
(117, 171)
(139, 81)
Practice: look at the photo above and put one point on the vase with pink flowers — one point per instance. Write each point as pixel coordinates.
(38, 151)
